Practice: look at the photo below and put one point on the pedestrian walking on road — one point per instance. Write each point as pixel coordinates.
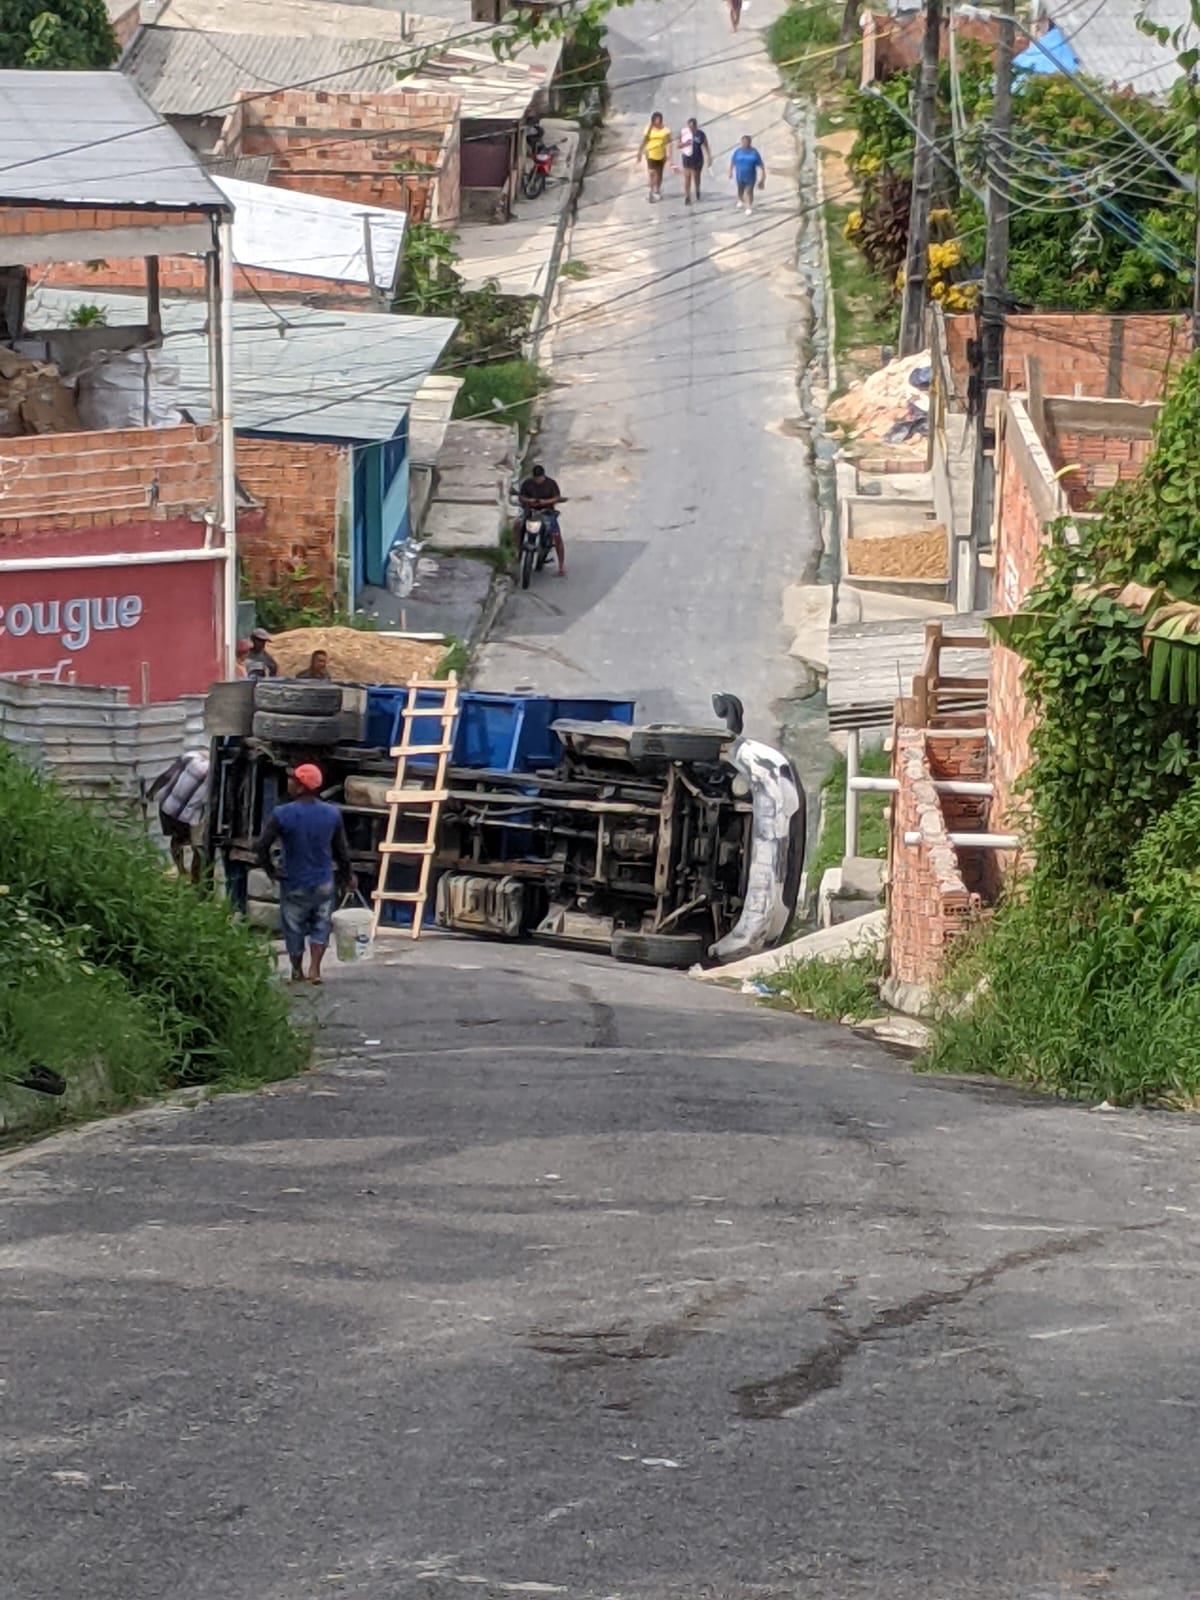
(656, 147)
(695, 154)
(735, 14)
(315, 857)
(746, 165)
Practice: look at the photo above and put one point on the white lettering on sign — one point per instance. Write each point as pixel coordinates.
(72, 621)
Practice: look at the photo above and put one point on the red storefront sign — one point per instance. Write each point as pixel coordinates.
(154, 628)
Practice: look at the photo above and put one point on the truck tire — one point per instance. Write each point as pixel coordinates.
(662, 742)
(657, 949)
(282, 728)
(297, 699)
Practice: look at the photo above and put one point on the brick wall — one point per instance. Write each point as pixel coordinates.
(107, 479)
(17, 219)
(1100, 460)
(296, 482)
(900, 39)
(1120, 358)
(929, 899)
(398, 150)
(185, 275)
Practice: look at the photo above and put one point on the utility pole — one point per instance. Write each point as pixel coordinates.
(912, 317)
(995, 263)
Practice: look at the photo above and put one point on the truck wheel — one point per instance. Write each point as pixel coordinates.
(661, 742)
(282, 728)
(298, 699)
(657, 949)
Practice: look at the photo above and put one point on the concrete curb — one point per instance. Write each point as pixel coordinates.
(566, 221)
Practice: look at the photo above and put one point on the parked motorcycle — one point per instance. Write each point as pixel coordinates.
(541, 160)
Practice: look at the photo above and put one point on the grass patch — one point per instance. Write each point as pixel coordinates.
(801, 43)
(831, 990)
(502, 391)
(872, 825)
(864, 309)
(583, 74)
(575, 269)
(195, 987)
(457, 659)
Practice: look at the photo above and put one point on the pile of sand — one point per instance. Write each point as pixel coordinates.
(355, 656)
(876, 404)
(902, 555)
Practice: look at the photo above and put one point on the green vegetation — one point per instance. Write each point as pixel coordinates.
(106, 962)
(66, 35)
(87, 316)
(1095, 226)
(1086, 980)
(457, 659)
(872, 826)
(584, 71)
(503, 391)
(832, 990)
(806, 28)
(866, 313)
(298, 600)
(575, 269)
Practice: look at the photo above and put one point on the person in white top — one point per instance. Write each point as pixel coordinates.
(182, 793)
(695, 155)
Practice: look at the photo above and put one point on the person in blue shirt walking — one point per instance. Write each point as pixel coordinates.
(747, 166)
(315, 852)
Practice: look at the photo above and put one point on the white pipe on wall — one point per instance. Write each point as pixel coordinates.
(972, 841)
(228, 463)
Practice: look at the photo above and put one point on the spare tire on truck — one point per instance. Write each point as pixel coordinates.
(280, 727)
(298, 699)
(657, 949)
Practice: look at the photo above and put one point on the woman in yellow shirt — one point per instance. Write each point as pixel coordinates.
(655, 146)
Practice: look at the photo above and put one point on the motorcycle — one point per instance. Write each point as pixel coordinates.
(536, 543)
(541, 158)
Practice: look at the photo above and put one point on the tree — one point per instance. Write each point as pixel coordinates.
(64, 34)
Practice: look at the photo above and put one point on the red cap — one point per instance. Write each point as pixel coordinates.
(309, 776)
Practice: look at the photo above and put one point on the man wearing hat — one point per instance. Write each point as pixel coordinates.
(260, 663)
(315, 855)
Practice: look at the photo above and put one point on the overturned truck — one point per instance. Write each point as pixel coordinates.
(564, 821)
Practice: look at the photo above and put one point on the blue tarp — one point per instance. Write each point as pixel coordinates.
(1035, 60)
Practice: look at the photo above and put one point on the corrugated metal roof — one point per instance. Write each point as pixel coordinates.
(191, 74)
(298, 19)
(248, 169)
(316, 374)
(871, 663)
(489, 89)
(283, 230)
(88, 138)
(1109, 45)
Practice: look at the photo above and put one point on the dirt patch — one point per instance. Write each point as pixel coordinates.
(903, 555)
(355, 656)
(888, 396)
(833, 148)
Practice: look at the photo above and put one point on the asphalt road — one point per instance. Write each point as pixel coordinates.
(672, 429)
(571, 1279)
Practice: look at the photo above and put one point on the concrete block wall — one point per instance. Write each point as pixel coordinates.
(397, 150)
(930, 903)
(185, 275)
(67, 219)
(1100, 460)
(59, 481)
(1118, 358)
(297, 483)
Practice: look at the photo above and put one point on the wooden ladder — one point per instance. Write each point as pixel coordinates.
(405, 798)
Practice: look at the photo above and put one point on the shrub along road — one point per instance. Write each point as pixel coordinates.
(575, 1279)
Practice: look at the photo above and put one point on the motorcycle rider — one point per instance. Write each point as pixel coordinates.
(539, 492)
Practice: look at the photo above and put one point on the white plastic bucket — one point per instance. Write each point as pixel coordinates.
(352, 934)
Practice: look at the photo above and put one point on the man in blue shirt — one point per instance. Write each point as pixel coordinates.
(746, 165)
(315, 851)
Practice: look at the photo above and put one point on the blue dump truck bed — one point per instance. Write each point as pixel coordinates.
(494, 732)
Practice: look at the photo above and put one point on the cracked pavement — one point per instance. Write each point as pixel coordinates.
(566, 1278)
